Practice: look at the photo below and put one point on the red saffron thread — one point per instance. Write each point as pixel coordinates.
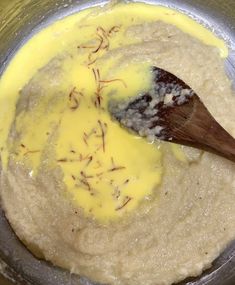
(116, 168)
(121, 207)
(113, 80)
(102, 135)
(31, 152)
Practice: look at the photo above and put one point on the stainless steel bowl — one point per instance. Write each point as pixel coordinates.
(19, 19)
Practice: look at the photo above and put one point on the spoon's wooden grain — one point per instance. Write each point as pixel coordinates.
(182, 118)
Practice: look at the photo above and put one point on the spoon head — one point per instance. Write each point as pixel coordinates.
(156, 113)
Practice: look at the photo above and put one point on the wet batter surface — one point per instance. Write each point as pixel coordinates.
(93, 198)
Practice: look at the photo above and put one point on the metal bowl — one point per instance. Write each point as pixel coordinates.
(19, 19)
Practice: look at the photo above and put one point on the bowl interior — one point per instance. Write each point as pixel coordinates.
(19, 20)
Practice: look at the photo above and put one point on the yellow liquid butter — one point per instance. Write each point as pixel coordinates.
(106, 170)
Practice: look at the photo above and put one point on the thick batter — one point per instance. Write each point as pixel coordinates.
(93, 198)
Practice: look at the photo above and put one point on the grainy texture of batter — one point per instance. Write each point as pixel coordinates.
(170, 238)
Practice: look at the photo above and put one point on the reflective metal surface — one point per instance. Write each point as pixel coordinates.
(19, 19)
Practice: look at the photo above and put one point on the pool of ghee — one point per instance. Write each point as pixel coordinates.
(106, 170)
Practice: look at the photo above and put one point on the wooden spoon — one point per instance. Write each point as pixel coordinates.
(172, 111)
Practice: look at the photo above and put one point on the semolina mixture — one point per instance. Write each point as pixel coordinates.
(85, 194)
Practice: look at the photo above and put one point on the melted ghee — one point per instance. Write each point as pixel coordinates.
(106, 170)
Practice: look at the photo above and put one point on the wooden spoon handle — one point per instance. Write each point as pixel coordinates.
(220, 142)
(202, 131)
